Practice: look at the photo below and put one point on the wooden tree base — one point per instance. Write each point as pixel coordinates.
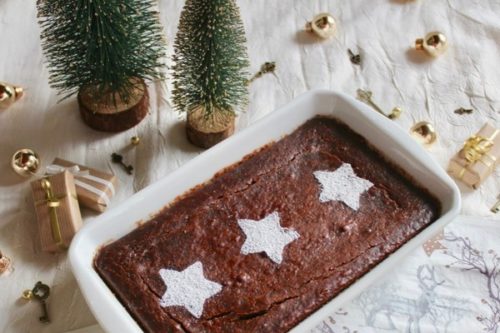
(205, 133)
(112, 116)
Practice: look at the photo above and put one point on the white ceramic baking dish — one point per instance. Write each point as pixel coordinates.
(381, 132)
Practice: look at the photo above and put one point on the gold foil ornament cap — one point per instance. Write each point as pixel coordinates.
(25, 162)
(323, 25)
(424, 132)
(19, 92)
(434, 43)
(419, 44)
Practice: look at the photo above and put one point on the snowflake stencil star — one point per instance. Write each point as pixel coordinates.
(267, 236)
(188, 288)
(342, 185)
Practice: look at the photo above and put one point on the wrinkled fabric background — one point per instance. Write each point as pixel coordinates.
(382, 31)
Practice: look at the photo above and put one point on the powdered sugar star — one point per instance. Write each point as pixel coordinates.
(342, 185)
(267, 236)
(188, 288)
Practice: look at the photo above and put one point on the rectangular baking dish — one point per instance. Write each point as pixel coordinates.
(383, 134)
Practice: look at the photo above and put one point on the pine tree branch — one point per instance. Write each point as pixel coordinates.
(109, 44)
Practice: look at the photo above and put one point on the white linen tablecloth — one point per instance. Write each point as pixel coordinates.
(382, 31)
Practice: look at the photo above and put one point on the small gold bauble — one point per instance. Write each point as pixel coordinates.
(323, 25)
(135, 140)
(435, 43)
(25, 162)
(27, 295)
(9, 94)
(424, 132)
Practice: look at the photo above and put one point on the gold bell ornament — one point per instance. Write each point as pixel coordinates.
(135, 140)
(323, 25)
(435, 43)
(424, 133)
(9, 94)
(25, 162)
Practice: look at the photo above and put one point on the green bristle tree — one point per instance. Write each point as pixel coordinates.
(211, 61)
(109, 45)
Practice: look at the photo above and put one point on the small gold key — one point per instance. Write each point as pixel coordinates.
(366, 96)
(118, 159)
(40, 293)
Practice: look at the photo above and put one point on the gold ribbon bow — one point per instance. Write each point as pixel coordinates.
(476, 148)
(53, 203)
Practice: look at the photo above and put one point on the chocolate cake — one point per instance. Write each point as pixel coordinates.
(269, 240)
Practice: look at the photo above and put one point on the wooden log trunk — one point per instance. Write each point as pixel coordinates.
(206, 132)
(113, 115)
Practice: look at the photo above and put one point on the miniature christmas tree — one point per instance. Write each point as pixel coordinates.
(210, 78)
(104, 50)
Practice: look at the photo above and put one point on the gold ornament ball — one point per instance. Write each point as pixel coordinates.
(27, 295)
(435, 43)
(9, 94)
(323, 25)
(135, 140)
(25, 162)
(424, 132)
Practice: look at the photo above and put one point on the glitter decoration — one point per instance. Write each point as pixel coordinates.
(342, 185)
(267, 236)
(188, 288)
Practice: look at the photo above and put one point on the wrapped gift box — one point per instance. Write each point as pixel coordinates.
(57, 210)
(94, 188)
(478, 158)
